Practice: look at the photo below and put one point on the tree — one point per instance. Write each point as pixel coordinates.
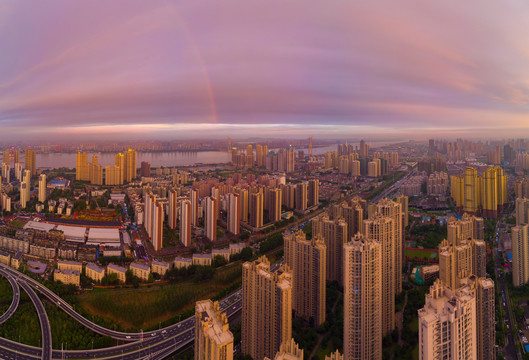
(219, 261)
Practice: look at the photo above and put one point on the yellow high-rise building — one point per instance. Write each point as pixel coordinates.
(266, 308)
(5, 157)
(119, 162)
(130, 165)
(81, 167)
(307, 260)
(31, 161)
(473, 193)
(95, 171)
(381, 230)
(213, 338)
(362, 336)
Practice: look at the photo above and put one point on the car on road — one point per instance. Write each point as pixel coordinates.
(153, 334)
(127, 337)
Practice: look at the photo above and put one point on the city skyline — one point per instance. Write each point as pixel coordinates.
(170, 70)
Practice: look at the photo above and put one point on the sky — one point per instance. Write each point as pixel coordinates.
(382, 69)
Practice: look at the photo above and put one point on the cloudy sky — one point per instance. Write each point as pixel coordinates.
(186, 69)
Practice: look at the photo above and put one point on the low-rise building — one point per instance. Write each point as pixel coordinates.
(180, 262)
(68, 252)
(237, 248)
(225, 253)
(67, 276)
(42, 251)
(5, 258)
(94, 272)
(16, 260)
(15, 245)
(87, 252)
(160, 267)
(202, 259)
(140, 270)
(36, 267)
(118, 270)
(70, 265)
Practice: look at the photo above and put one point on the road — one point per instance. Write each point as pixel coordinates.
(175, 336)
(43, 319)
(16, 297)
(510, 348)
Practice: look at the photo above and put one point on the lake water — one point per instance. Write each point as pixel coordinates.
(156, 159)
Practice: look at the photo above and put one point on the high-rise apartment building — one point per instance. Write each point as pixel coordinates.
(447, 324)
(334, 233)
(393, 210)
(483, 291)
(185, 222)
(145, 170)
(245, 207)
(17, 156)
(288, 351)
(42, 188)
(403, 200)
(362, 299)
(462, 254)
(172, 205)
(474, 194)
(266, 308)
(213, 338)
(256, 209)
(275, 203)
(313, 192)
(81, 167)
(290, 160)
(130, 165)
(113, 175)
(522, 211)
(31, 161)
(234, 213)
(121, 167)
(210, 220)
(95, 171)
(380, 229)
(307, 261)
(193, 196)
(18, 171)
(5, 157)
(301, 196)
(352, 214)
(24, 190)
(364, 149)
(520, 255)
(6, 173)
(157, 225)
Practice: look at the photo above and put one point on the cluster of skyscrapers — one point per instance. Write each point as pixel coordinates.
(485, 194)
(123, 171)
(458, 318)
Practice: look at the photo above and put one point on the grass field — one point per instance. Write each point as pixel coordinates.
(421, 254)
(150, 306)
(24, 325)
(18, 224)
